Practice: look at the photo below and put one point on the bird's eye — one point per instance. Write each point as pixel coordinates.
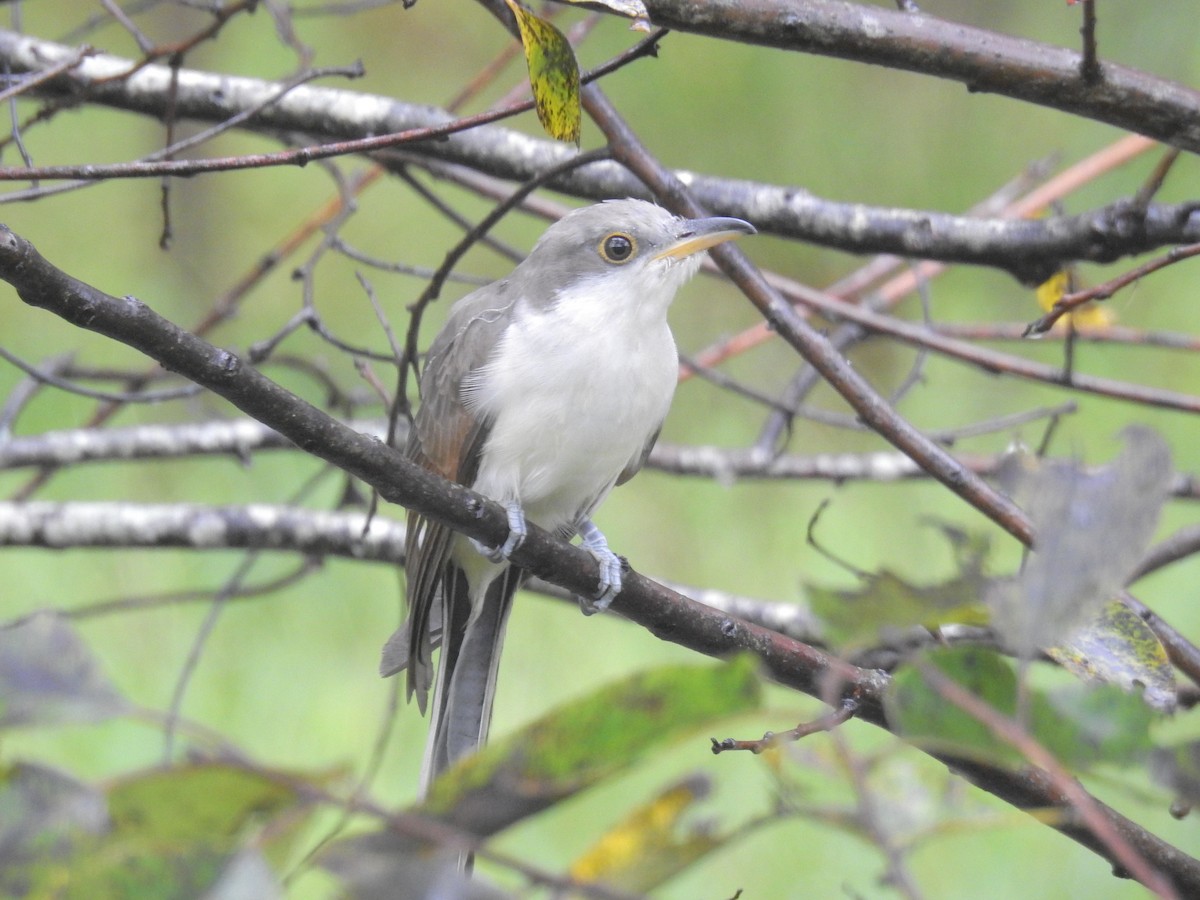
(618, 248)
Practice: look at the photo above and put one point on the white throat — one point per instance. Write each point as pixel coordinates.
(575, 391)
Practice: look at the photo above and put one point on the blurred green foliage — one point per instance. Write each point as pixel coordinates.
(291, 677)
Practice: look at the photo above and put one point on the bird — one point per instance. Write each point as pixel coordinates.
(542, 391)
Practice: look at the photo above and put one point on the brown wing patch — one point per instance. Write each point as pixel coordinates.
(446, 438)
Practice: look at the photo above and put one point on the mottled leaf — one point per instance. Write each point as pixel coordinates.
(1118, 647)
(586, 741)
(652, 843)
(182, 832)
(1092, 527)
(570, 749)
(48, 676)
(386, 865)
(44, 815)
(553, 74)
(1081, 725)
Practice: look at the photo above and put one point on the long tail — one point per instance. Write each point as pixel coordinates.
(466, 679)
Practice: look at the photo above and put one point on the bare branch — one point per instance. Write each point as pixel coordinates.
(341, 119)
(982, 60)
(258, 526)
(668, 614)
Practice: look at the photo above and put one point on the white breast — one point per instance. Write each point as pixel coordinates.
(576, 390)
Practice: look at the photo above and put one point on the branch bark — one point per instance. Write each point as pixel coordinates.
(982, 60)
(664, 612)
(256, 526)
(1030, 250)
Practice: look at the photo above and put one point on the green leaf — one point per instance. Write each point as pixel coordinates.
(553, 74)
(139, 866)
(1087, 725)
(204, 800)
(586, 741)
(887, 605)
(921, 715)
(1118, 647)
(1081, 725)
(48, 676)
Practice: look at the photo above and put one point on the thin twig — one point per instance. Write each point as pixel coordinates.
(1089, 65)
(1074, 300)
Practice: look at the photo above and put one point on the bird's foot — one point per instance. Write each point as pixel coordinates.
(611, 567)
(516, 535)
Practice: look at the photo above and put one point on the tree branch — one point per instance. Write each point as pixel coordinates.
(1031, 250)
(348, 534)
(257, 526)
(666, 613)
(982, 60)
(811, 345)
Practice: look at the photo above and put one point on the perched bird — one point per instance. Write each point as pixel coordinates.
(542, 391)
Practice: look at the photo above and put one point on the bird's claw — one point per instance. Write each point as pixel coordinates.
(610, 565)
(516, 536)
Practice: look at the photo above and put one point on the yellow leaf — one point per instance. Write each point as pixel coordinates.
(1051, 290)
(553, 74)
(1090, 315)
(1093, 315)
(651, 844)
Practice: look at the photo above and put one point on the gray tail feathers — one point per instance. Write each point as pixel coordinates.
(466, 678)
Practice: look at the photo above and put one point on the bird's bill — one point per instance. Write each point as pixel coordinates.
(700, 234)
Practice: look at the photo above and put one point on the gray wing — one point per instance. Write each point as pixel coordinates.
(589, 505)
(635, 465)
(446, 438)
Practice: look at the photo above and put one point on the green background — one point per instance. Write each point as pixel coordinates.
(291, 678)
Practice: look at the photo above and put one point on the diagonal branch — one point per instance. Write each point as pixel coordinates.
(811, 345)
(666, 613)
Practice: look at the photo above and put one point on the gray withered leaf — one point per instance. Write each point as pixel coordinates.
(630, 9)
(49, 676)
(1092, 526)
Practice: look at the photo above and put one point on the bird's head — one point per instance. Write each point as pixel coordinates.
(623, 248)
